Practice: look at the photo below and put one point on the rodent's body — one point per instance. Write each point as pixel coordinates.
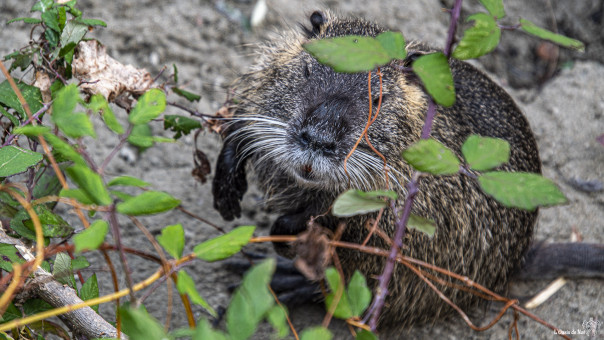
(295, 121)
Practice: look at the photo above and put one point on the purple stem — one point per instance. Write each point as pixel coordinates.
(35, 116)
(401, 227)
(123, 140)
(412, 190)
(455, 12)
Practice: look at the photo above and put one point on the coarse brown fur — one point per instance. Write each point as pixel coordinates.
(295, 120)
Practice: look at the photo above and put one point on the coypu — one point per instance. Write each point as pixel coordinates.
(295, 120)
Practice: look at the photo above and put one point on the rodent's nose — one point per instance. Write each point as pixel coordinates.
(317, 141)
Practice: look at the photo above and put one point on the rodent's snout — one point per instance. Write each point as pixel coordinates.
(322, 129)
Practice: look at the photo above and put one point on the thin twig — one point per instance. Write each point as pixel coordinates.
(206, 117)
(122, 142)
(35, 116)
(197, 217)
(165, 263)
(115, 230)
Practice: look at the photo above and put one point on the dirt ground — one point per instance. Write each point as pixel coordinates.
(563, 100)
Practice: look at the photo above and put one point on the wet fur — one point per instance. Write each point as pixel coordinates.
(285, 93)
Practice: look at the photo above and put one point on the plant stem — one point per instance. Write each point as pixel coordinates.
(412, 190)
(115, 230)
(455, 12)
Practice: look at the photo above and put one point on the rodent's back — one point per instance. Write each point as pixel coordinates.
(296, 120)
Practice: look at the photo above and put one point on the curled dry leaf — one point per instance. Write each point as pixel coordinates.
(202, 166)
(43, 82)
(102, 74)
(312, 249)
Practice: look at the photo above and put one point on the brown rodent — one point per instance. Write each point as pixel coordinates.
(295, 121)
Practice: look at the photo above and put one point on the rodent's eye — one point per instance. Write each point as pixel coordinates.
(376, 100)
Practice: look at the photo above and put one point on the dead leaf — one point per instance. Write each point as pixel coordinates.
(99, 73)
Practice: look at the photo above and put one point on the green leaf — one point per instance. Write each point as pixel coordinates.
(186, 285)
(22, 61)
(98, 103)
(74, 125)
(251, 301)
(91, 184)
(42, 6)
(64, 149)
(521, 190)
(8, 256)
(480, 39)
(76, 194)
(393, 43)
(316, 333)
(14, 160)
(172, 238)
(150, 105)
(343, 310)
(422, 224)
(32, 96)
(92, 237)
(51, 20)
(359, 294)
(495, 7)
(180, 124)
(53, 225)
(16, 224)
(484, 153)
(91, 22)
(277, 317)
(356, 202)
(14, 120)
(204, 331)
(147, 203)
(533, 29)
(225, 245)
(62, 14)
(11, 313)
(73, 32)
(431, 156)
(90, 290)
(47, 183)
(35, 306)
(25, 20)
(138, 324)
(53, 41)
(79, 262)
(433, 69)
(175, 73)
(63, 271)
(31, 131)
(128, 181)
(354, 53)
(141, 136)
(364, 334)
(192, 97)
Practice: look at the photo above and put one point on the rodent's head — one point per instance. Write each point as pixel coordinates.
(301, 118)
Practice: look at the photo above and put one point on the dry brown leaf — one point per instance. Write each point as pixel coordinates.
(312, 249)
(102, 74)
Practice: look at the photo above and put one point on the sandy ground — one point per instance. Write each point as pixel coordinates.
(565, 109)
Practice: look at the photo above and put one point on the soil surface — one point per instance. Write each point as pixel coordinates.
(560, 91)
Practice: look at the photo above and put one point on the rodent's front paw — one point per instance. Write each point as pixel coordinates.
(226, 199)
(229, 184)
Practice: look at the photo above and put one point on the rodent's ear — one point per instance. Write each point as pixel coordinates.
(317, 19)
